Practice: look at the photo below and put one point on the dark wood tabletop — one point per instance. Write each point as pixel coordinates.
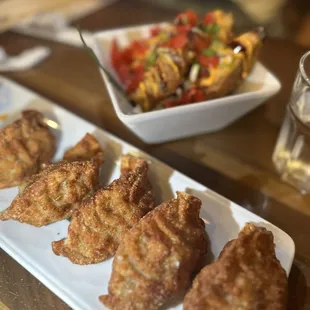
(235, 162)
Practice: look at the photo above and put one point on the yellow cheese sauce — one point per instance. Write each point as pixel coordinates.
(170, 62)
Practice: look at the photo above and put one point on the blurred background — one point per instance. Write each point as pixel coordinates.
(282, 18)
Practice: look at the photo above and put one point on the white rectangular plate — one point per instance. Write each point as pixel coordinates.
(80, 286)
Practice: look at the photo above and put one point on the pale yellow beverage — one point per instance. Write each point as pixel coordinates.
(291, 155)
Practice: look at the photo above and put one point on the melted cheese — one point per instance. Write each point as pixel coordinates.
(170, 62)
(151, 83)
(207, 81)
(141, 91)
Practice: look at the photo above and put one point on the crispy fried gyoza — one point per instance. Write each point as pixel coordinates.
(158, 257)
(131, 163)
(99, 225)
(86, 149)
(24, 146)
(52, 194)
(247, 275)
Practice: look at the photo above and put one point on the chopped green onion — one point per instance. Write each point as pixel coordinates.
(151, 60)
(217, 45)
(163, 37)
(204, 28)
(225, 65)
(193, 74)
(215, 28)
(211, 29)
(184, 19)
(209, 52)
(163, 50)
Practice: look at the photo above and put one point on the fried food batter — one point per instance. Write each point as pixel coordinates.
(131, 163)
(86, 149)
(99, 225)
(247, 275)
(24, 146)
(52, 194)
(158, 257)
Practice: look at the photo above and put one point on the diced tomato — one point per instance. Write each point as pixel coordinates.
(133, 85)
(186, 96)
(172, 103)
(123, 72)
(138, 48)
(178, 41)
(200, 43)
(136, 76)
(115, 53)
(164, 44)
(188, 17)
(189, 95)
(199, 95)
(154, 31)
(126, 55)
(183, 28)
(204, 72)
(211, 61)
(208, 18)
(192, 17)
(214, 61)
(203, 60)
(192, 95)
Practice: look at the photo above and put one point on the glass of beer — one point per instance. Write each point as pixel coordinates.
(291, 155)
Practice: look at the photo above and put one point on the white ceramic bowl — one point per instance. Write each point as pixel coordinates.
(187, 120)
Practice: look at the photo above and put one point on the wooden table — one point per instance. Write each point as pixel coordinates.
(235, 162)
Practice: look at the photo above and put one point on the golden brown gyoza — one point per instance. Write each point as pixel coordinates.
(131, 163)
(100, 223)
(246, 276)
(24, 146)
(86, 149)
(52, 194)
(158, 257)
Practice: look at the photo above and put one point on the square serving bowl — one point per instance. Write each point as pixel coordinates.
(187, 120)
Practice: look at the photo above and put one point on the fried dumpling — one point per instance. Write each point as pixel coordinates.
(158, 257)
(24, 146)
(131, 163)
(86, 149)
(100, 223)
(247, 275)
(52, 194)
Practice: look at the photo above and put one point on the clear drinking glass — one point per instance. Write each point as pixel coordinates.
(291, 155)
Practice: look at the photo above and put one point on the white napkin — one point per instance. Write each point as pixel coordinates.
(55, 26)
(25, 60)
(67, 35)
